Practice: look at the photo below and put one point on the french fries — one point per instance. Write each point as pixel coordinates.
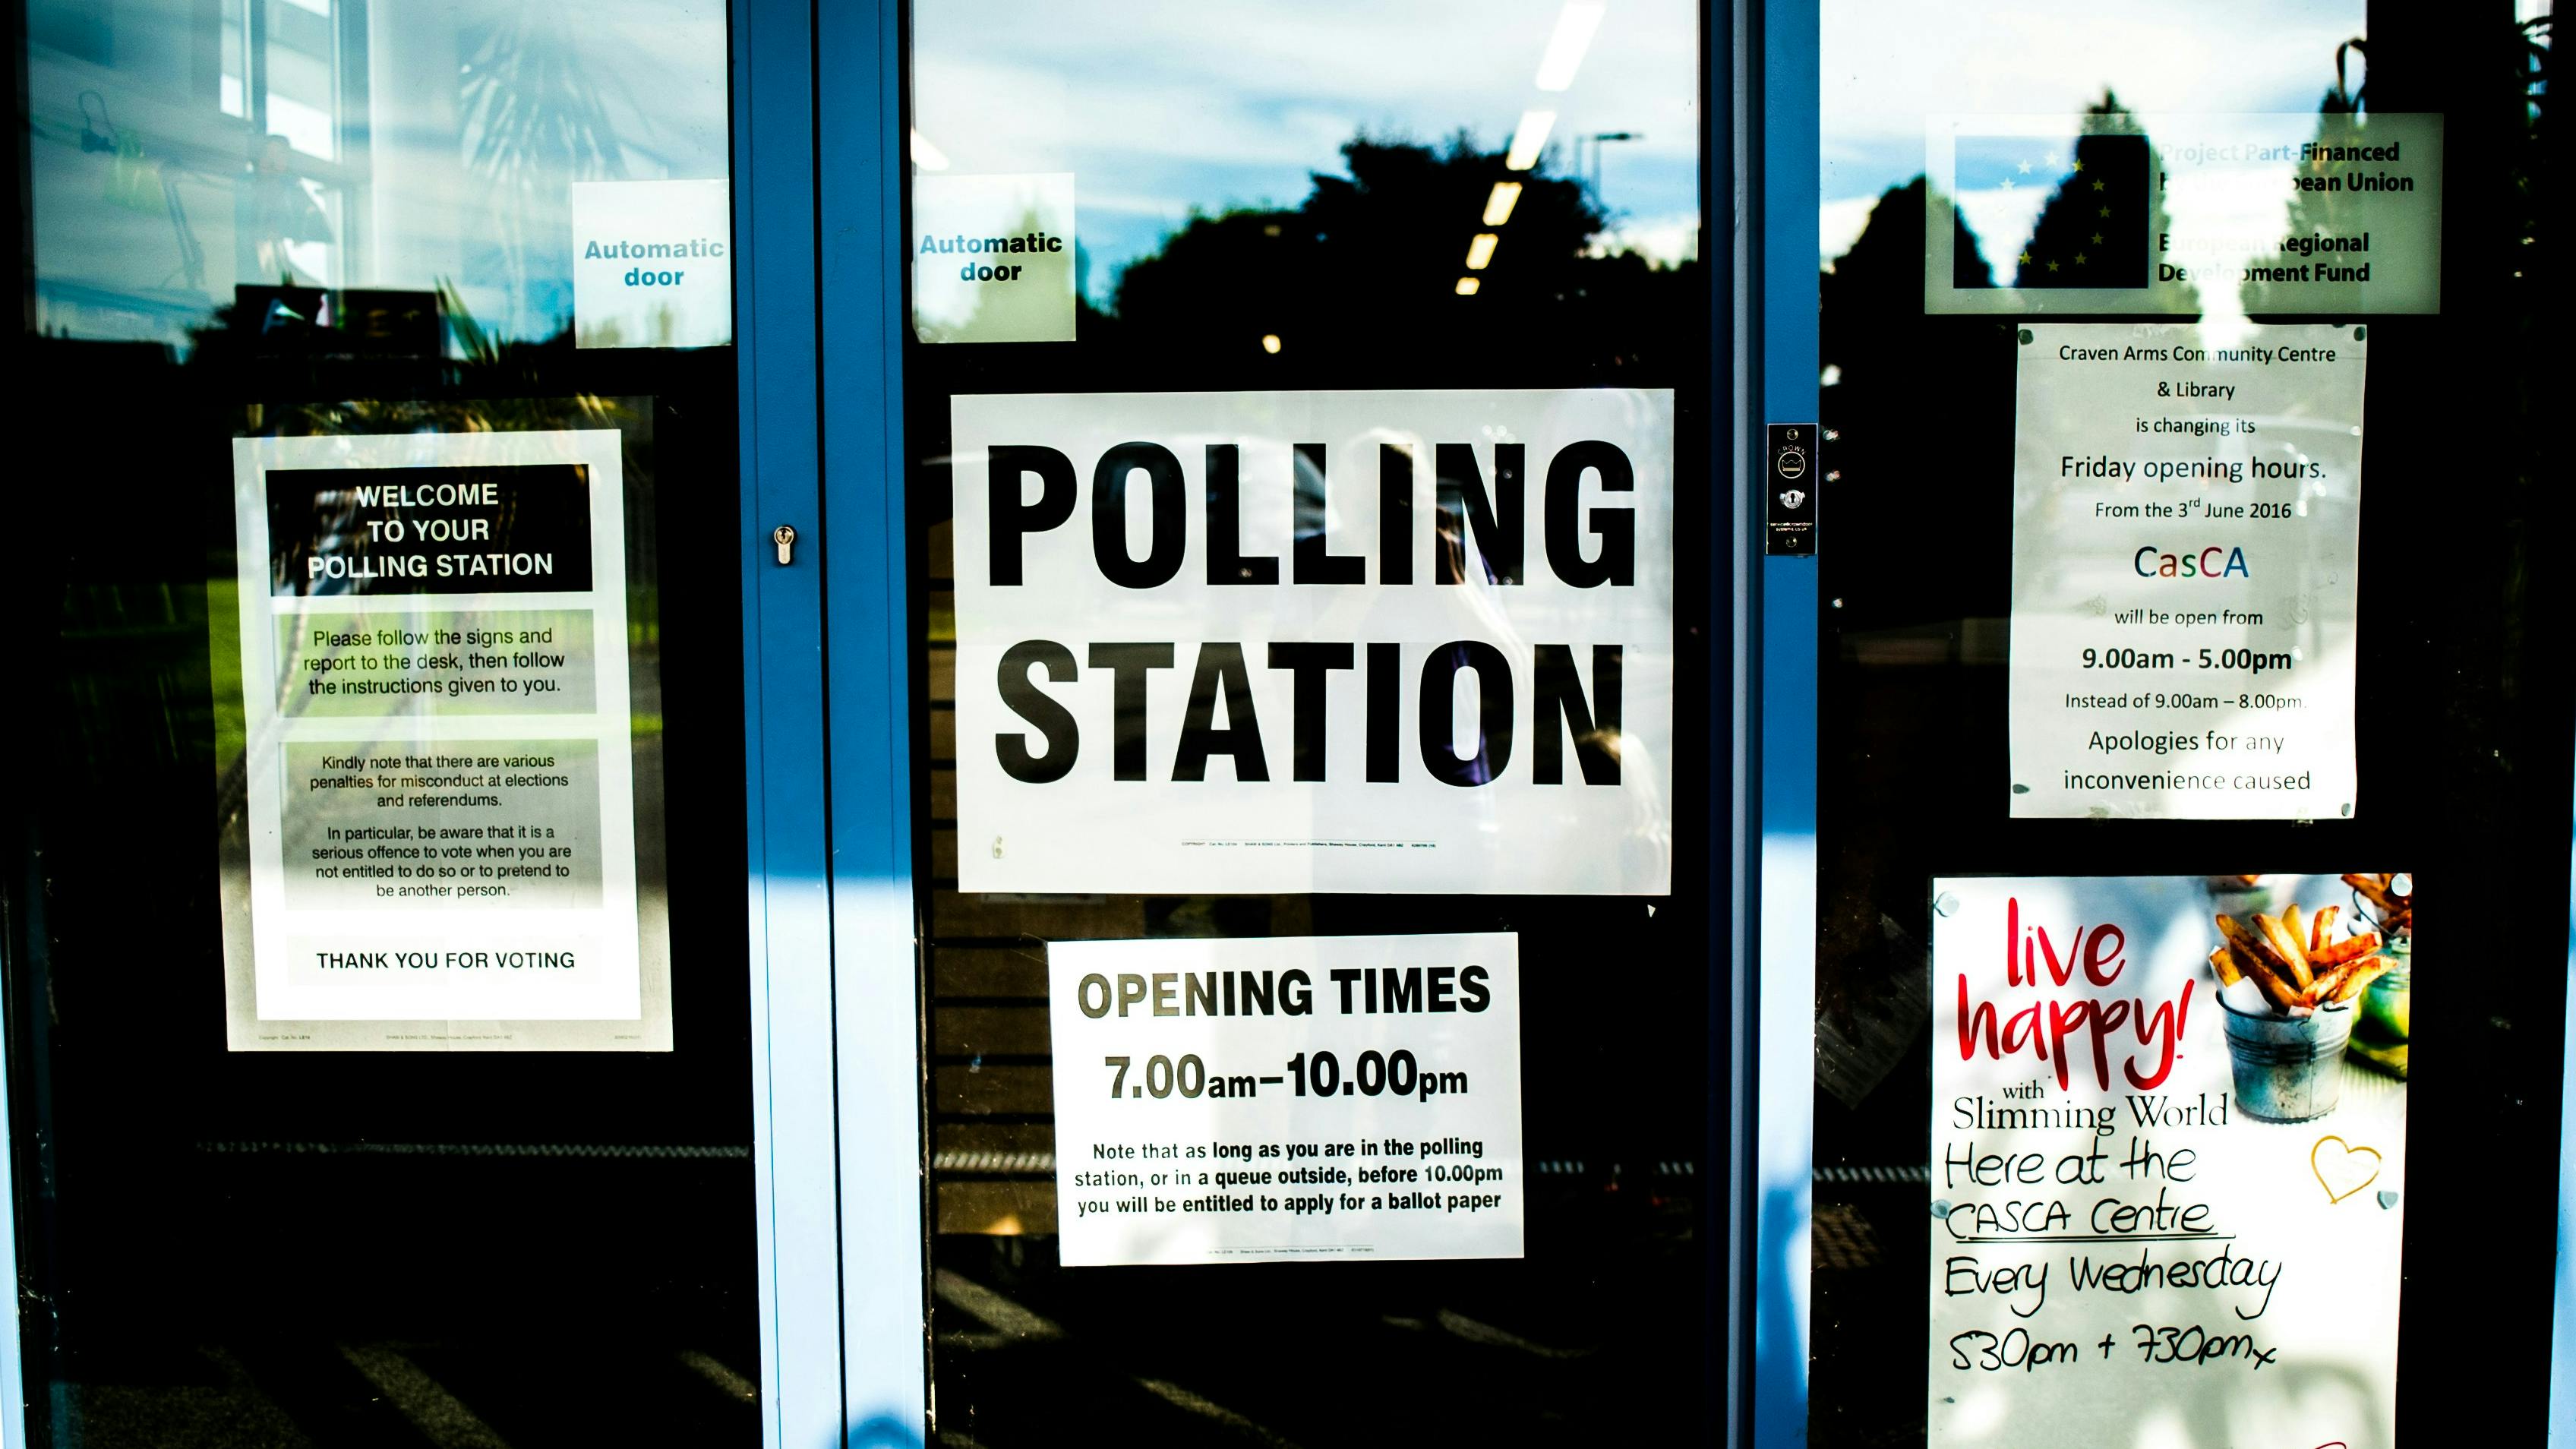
(2293, 959)
(2256, 957)
(2283, 935)
(2255, 945)
(2342, 951)
(2394, 906)
(2346, 981)
(2369, 970)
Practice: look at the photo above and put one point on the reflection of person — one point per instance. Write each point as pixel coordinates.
(282, 212)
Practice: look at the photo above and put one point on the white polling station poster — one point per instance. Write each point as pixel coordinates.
(1315, 641)
(2186, 564)
(1287, 1099)
(2166, 1211)
(439, 763)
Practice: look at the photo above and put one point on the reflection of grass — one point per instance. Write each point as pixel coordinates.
(643, 610)
(223, 637)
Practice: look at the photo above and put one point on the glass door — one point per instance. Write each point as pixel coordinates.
(1317, 562)
(379, 1041)
(2151, 551)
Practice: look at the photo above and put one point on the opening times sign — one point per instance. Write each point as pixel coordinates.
(2186, 541)
(1330, 641)
(1287, 1099)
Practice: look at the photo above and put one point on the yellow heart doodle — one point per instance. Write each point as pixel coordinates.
(2344, 1166)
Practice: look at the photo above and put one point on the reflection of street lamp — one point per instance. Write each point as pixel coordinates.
(1596, 138)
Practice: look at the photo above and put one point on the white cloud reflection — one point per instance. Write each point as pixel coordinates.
(1889, 64)
(1217, 106)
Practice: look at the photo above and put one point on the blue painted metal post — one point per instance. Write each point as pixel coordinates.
(1785, 340)
(859, 135)
(794, 1131)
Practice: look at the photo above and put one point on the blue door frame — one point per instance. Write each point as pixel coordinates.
(860, 166)
(1777, 93)
(836, 1076)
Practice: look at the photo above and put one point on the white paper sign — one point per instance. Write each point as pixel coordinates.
(652, 263)
(1333, 641)
(993, 258)
(2214, 214)
(1287, 1099)
(2186, 536)
(439, 764)
(2122, 1250)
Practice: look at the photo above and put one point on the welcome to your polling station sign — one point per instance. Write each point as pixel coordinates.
(439, 762)
(1398, 641)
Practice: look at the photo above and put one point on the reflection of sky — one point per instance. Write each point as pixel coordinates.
(1888, 64)
(1157, 109)
(1161, 109)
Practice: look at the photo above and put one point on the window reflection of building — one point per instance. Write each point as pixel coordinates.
(284, 217)
(180, 149)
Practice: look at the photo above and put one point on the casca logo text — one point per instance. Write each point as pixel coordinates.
(2217, 561)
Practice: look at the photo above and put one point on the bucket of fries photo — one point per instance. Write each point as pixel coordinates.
(2287, 992)
(2386, 904)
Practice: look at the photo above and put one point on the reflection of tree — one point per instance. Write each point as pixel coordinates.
(2315, 213)
(536, 116)
(2084, 218)
(1368, 265)
(494, 383)
(1902, 420)
(1968, 267)
(1915, 512)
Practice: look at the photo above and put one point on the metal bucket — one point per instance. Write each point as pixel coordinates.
(2288, 1068)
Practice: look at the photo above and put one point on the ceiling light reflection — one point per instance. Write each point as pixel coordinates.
(1565, 48)
(927, 156)
(1481, 250)
(1498, 207)
(1270, 342)
(1467, 286)
(1529, 140)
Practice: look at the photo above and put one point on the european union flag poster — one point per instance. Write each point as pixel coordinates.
(2084, 222)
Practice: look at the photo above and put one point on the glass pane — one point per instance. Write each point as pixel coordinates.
(412, 1105)
(2109, 615)
(180, 152)
(1280, 249)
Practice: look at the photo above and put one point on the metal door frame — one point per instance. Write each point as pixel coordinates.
(836, 1080)
(1777, 97)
